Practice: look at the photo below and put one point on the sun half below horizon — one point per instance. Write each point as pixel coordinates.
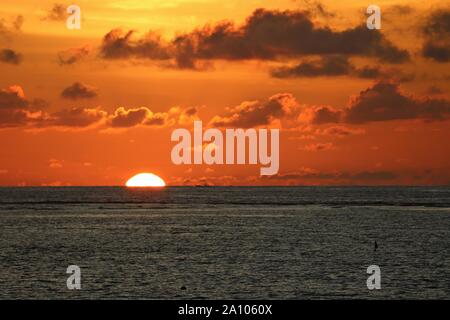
(145, 180)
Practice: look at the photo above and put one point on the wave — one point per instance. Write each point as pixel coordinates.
(232, 203)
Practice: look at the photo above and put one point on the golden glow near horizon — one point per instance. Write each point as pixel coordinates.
(144, 180)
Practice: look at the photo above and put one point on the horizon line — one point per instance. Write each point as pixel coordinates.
(227, 186)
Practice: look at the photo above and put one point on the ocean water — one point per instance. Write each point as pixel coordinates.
(225, 242)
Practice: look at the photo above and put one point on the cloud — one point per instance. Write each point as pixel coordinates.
(255, 113)
(76, 117)
(73, 55)
(56, 13)
(13, 97)
(265, 35)
(437, 52)
(17, 111)
(337, 65)
(436, 31)
(191, 111)
(326, 66)
(320, 115)
(14, 107)
(129, 118)
(269, 34)
(368, 72)
(119, 45)
(123, 118)
(79, 91)
(384, 101)
(126, 118)
(10, 56)
(13, 118)
(185, 116)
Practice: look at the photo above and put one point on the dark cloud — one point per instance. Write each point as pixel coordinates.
(322, 114)
(269, 34)
(368, 72)
(438, 24)
(437, 52)
(73, 55)
(17, 111)
(119, 45)
(436, 31)
(75, 118)
(37, 104)
(326, 66)
(266, 35)
(384, 101)
(375, 72)
(12, 118)
(338, 66)
(79, 91)
(254, 113)
(191, 111)
(13, 98)
(10, 56)
(56, 13)
(129, 118)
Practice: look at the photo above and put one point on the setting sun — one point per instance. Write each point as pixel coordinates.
(145, 180)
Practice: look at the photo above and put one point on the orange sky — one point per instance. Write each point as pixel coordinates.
(387, 92)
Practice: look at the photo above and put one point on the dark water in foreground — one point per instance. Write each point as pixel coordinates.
(265, 243)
